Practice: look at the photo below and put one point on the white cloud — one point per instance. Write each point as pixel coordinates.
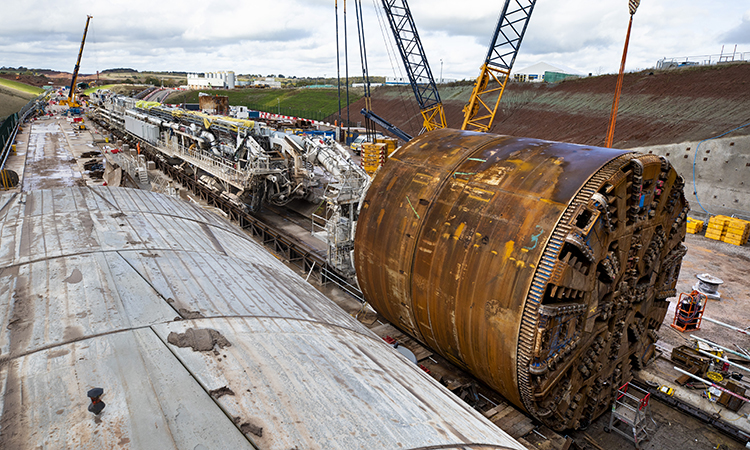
(739, 34)
(296, 37)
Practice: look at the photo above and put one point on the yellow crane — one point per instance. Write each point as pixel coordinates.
(71, 101)
(479, 113)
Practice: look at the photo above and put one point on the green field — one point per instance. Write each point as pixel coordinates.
(15, 85)
(122, 89)
(309, 103)
(91, 90)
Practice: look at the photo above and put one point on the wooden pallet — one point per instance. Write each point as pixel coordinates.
(510, 420)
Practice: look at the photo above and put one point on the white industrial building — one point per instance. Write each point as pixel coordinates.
(217, 80)
(404, 80)
(535, 72)
(267, 82)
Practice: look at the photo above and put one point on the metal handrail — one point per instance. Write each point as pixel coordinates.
(208, 162)
(16, 119)
(318, 226)
(343, 284)
(706, 59)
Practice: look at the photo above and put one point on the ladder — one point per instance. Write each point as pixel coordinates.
(631, 407)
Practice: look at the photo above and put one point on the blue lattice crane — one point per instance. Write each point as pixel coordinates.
(479, 113)
(417, 69)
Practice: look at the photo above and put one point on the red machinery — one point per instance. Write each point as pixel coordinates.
(689, 312)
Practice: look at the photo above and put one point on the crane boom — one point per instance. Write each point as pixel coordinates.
(479, 113)
(71, 94)
(393, 129)
(417, 69)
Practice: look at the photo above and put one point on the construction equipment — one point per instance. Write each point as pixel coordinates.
(631, 407)
(417, 69)
(488, 249)
(71, 101)
(724, 390)
(480, 112)
(257, 165)
(693, 362)
(666, 390)
(689, 312)
(399, 133)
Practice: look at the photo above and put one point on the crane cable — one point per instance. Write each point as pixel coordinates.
(338, 59)
(346, 65)
(369, 125)
(391, 51)
(388, 43)
(94, 53)
(618, 88)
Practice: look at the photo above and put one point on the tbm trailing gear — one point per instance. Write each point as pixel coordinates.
(541, 267)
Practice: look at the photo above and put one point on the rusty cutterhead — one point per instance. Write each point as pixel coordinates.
(543, 268)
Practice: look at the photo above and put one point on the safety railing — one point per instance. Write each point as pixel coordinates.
(207, 161)
(345, 284)
(320, 227)
(9, 127)
(702, 60)
(135, 166)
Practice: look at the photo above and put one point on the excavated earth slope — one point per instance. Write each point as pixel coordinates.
(656, 107)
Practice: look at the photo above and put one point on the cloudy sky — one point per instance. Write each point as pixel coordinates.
(297, 37)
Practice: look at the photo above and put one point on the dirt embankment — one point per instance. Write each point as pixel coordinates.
(656, 107)
(31, 80)
(49, 78)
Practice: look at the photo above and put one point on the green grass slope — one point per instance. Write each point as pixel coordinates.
(308, 103)
(33, 91)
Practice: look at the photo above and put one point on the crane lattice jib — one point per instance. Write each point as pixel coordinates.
(490, 85)
(78, 61)
(417, 69)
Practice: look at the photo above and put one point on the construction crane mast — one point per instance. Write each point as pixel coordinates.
(479, 113)
(417, 69)
(71, 94)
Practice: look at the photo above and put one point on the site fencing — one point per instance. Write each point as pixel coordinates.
(294, 112)
(9, 127)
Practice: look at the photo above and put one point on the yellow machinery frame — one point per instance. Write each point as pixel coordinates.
(434, 118)
(480, 112)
